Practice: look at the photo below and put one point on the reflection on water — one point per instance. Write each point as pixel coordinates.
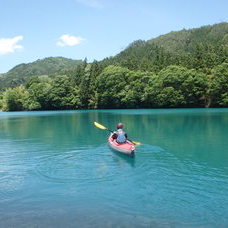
(56, 169)
(121, 159)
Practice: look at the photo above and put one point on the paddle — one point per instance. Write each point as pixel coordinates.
(105, 128)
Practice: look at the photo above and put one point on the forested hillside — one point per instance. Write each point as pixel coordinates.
(188, 68)
(20, 73)
(201, 48)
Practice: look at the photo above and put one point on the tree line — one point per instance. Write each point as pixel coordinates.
(107, 85)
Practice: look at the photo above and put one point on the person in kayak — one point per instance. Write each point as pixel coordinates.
(120, 135)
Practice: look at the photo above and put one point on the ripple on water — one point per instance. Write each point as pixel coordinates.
(12, 174)
(82, 166)
(9, 185)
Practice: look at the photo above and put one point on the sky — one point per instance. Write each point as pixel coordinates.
(93, 29)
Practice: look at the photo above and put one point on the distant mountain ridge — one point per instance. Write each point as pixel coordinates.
(183, 40)
(175, 47)
(46, 66)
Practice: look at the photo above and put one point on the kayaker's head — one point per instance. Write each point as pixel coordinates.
(119, 126)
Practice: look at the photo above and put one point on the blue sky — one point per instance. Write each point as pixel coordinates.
(35, 29)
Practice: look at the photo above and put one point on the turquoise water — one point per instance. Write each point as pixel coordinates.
(56, 169)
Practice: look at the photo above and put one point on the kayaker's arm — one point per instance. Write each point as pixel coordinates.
(114, 135)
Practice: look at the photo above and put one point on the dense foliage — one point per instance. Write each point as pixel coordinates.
(181, 69)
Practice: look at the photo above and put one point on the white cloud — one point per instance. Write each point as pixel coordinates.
(68, 40)
(9, 45)
(91, 3)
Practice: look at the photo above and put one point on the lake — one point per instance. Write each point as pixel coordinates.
(56, 169)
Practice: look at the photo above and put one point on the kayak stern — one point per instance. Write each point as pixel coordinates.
(127, 148)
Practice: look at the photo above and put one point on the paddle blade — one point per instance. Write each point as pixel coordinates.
(136, 143)
(100, 126)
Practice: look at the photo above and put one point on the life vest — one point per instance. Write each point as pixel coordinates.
(121, 138)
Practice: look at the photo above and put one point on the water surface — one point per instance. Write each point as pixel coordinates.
(56, 169)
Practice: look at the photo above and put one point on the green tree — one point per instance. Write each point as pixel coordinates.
(39, 89)
(219, 86)
(177, 86)
(132, 95)
(85, 87)
(110, 85)
(1, 101)
(62, 95)
(170, 98)
(15, 99)
(118, 87)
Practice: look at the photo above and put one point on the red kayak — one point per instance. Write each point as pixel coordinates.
(127, 148)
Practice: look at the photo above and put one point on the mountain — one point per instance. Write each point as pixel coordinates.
(193, 48)
(185, 40)
(46, 66)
